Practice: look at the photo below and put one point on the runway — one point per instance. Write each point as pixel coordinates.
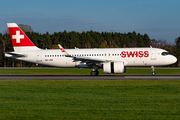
(88, 77)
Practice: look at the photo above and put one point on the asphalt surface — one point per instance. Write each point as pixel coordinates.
(88, 77)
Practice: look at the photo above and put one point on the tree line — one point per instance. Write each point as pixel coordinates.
(88, 39)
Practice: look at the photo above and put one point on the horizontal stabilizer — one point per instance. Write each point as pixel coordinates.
(14, 54)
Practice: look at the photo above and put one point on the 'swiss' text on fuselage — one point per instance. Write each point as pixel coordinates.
(134, 54)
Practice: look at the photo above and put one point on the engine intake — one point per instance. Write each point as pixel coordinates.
(114, 67)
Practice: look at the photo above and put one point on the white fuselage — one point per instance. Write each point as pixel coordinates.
(111, 60)
(130, 56)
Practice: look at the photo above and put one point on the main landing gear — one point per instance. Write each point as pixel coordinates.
(94, 73)
(153, 72)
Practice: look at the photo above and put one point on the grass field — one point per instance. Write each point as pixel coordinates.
(88, 99)
(75, 71)
(52, 99)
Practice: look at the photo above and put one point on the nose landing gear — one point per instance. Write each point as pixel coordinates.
(153, 72)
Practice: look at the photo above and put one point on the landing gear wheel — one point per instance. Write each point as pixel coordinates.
(153, 73)
(94, 73)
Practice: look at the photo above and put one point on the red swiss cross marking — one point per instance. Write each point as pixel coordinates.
(18, 36)
(19, 39)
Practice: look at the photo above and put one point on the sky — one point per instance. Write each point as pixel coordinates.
(159, 19)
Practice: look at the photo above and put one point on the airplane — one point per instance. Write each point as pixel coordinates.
(111, 60)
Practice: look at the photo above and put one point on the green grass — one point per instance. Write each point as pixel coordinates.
(78, 99)
(159, 71)
(75, 71)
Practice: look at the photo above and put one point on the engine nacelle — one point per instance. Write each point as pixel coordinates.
(114, 67)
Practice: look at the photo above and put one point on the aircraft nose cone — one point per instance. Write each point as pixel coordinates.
(173, 59)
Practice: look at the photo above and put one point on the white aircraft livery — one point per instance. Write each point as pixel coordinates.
(111, 60)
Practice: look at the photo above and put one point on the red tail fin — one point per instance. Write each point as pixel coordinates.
(19, 39)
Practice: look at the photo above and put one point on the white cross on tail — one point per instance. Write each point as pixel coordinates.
(18, 36)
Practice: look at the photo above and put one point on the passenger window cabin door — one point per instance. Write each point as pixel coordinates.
(153, 54)
(39, 57)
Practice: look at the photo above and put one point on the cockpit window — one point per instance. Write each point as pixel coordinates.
(165, 53)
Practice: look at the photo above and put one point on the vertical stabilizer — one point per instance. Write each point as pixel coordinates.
(19, 39)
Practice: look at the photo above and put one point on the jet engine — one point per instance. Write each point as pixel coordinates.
(114, 67)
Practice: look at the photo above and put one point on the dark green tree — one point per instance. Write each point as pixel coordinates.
(177, 41)
(25, 28)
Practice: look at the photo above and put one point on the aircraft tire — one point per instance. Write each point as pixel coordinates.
(153, 73)
(94, 73)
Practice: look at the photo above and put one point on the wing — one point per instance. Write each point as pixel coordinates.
(87, 59)
(83, 59)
